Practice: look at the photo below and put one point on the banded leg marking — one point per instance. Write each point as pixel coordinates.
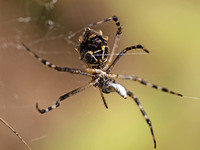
(117, 37)
(15, 132)
(50, 65)
(63, 97)
(114, 18)
(134, 47)
(129, 93)
(103, 98)
(140, 80)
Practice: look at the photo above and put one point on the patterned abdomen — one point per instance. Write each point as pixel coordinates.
(93, 49)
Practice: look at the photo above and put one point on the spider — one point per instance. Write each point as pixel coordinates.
(94, 52)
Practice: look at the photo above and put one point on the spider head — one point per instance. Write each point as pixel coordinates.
(93, 48)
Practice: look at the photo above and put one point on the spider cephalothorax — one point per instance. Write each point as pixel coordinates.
(93, 50)
(106, 84)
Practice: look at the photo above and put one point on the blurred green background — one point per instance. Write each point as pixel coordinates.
(170, 30)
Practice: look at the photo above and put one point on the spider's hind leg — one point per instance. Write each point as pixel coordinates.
(129, 93)
(140, 80)
(157, 87)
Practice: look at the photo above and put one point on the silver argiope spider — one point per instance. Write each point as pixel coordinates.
(93, 50)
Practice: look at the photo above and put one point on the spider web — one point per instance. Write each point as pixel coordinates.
(36, 27)
(20, 26)
(32, 22)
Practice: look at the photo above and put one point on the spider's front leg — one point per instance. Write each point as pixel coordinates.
(129, 93)
(63, 97)
(114, 18)
(109, 67)
(60, 69)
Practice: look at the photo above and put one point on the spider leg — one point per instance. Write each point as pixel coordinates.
(103, 98)
(114, 18)
(129, 93)
(63, 97)
(50, 65)
(140, 80)
(15, 132)
(123, 52)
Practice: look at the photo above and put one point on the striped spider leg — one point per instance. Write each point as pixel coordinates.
(129, 93)
(134, 47)
(15, 132)
(114, 18)
(50, 65)
(63, 97)
(140, 80)
(135, 78)
(62, 69)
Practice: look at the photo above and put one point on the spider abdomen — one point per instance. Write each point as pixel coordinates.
(93, 48)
